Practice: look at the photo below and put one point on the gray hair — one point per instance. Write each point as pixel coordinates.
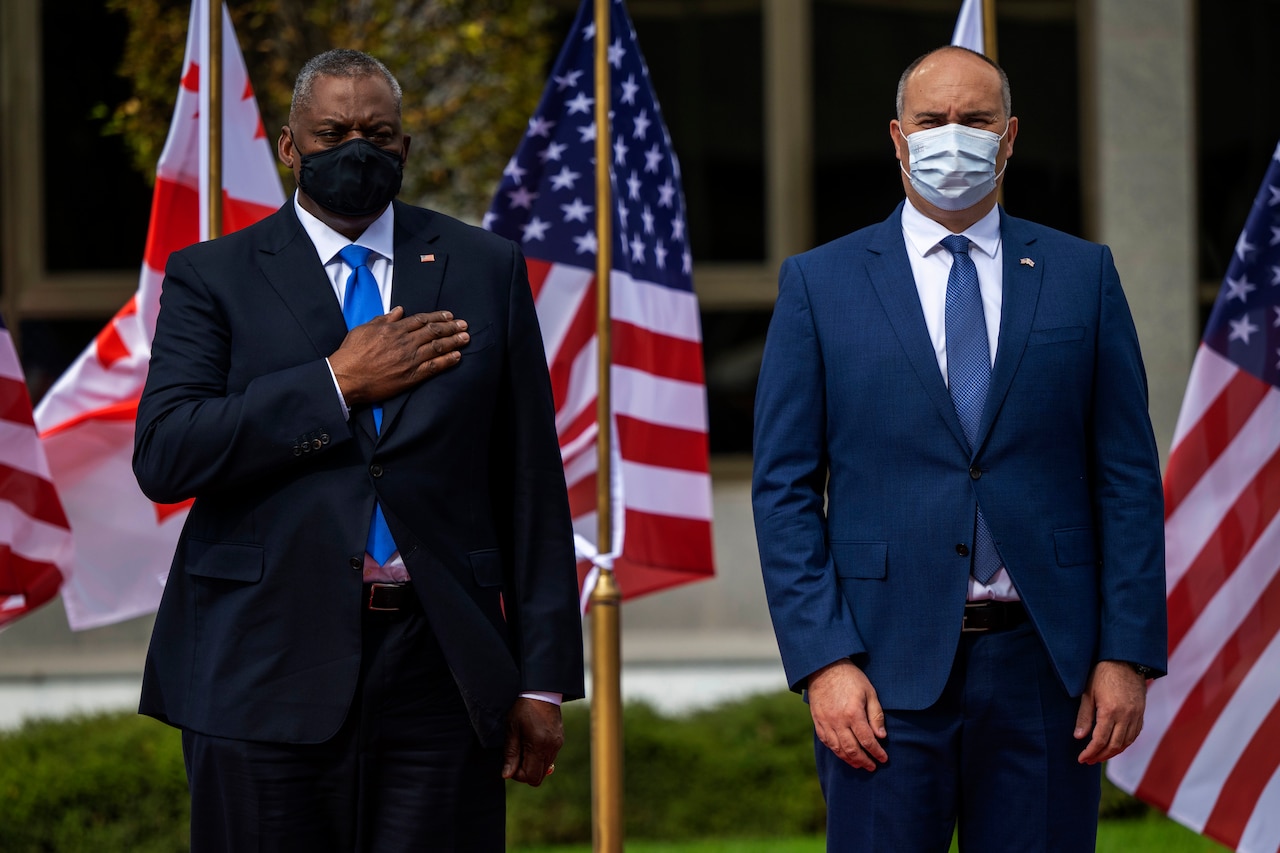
(1005, 97)
(339, 62)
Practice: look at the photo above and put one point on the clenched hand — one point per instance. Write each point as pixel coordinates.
(535, 733)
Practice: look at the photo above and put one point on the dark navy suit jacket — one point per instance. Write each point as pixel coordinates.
(259, 631)
(864, 487)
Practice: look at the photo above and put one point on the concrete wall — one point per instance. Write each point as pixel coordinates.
(1138, 101)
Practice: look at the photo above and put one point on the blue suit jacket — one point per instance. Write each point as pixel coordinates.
(259, 631)
(852, 407)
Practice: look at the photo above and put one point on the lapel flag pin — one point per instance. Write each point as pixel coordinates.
(426, 259)
(1028, 262)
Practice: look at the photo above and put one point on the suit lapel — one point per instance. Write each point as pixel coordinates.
(1022, 270)
(890, 272)
(417, 278)
(293, 269)
(288, 260)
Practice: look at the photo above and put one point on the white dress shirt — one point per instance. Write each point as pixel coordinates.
(378, 238)
(930, 266)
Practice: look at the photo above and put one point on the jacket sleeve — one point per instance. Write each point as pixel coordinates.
(541, 590)
(194, 432)
(811, 619)
(1127, 494)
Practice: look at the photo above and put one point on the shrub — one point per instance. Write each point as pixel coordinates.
(744, 769)
(111, 782)
(741, 770)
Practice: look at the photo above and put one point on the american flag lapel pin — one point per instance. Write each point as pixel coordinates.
(1027, 262)
(426, 259)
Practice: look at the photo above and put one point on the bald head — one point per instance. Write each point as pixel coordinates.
(946, 55)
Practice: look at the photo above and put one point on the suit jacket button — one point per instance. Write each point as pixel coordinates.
(975, 472)
(356, 563)
(316, 443)
(324, 438)
(375, 470)
(962, 549)
(297, 451)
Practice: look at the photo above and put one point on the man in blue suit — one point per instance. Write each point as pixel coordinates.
(957, 500)
(372, 613)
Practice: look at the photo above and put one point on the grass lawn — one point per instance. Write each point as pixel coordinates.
(1152, 834)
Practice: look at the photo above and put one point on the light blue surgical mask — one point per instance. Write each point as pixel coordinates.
(953, 167)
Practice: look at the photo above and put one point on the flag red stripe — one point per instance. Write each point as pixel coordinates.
(37, 581)
(585, 420)
(662, 446)
(125, 410)
(35, 496)
(175, 221)
(582, 497)
(639, 578)
(238, 213)
(1211, 435)
(1235, 535)
(669, 542)
(538, 272)
(661, 355)
(1245, 784)
(582, 328)
(15, 405)
(108, 344)
(1204, 703)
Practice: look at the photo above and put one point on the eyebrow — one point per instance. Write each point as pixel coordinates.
(974, 115)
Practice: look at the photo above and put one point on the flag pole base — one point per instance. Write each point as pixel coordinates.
(606, 715)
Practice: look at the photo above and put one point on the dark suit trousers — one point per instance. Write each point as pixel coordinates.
(995, 753)
(404, 773)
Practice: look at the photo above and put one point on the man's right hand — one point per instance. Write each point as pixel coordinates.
(847, 715)
(393, 352)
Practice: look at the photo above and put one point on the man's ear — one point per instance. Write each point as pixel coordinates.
(898, 139)
(284, 147)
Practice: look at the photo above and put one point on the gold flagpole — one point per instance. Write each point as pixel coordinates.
(989, 28)
(214, 201)
(989, 47)
(606, 681)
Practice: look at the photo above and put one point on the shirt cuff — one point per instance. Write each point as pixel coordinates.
(346, 410)
(553, 698)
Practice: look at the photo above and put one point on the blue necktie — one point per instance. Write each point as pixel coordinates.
(969, 374)
(362, 304)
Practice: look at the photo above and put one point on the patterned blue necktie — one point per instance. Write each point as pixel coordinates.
(362, 304)
(969, 374)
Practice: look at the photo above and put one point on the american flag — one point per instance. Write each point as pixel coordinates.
(1210, 752)
(34, 534)
(546, 202)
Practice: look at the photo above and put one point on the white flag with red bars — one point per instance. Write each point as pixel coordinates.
(1209, 754)
(124, 542)
(660, 481)
(35, 538)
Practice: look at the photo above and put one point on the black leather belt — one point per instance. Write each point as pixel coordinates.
(390, 598)
(983, 617)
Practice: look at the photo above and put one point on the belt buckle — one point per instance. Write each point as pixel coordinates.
(975, 608)
(373, 591)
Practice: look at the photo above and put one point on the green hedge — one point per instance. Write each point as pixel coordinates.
(104, 783)
(743, 769)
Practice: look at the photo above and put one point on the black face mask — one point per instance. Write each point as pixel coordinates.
(356, 178)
